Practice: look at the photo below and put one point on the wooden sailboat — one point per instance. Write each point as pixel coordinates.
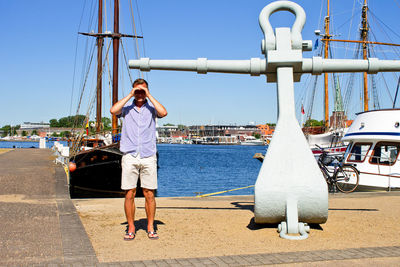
(96, 164)
(336, 125)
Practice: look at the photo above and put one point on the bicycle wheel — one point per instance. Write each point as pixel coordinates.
(347, 179)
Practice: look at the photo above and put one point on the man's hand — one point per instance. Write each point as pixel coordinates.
(132, 93)
(146, 90)
(140, 87)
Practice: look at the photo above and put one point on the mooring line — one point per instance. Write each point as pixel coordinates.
(220, 192)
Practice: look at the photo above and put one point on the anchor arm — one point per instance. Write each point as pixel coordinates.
(257, 66)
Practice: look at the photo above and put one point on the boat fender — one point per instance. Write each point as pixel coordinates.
(72, 166)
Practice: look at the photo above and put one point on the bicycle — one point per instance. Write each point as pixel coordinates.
(344, 177)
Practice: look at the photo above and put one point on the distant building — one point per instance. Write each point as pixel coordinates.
(34, 125)
(167, 131)
(222, 130)
(207, 130)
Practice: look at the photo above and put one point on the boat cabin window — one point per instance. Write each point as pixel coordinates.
(385, 153)
(358, 152)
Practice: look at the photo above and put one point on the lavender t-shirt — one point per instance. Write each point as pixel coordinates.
(138, 130)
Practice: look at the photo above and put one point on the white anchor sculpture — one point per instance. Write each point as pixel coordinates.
(290, 188)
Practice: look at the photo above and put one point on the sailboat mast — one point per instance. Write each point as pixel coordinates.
(116, 37)
(99, 68)
(364, 37)
(326, 54)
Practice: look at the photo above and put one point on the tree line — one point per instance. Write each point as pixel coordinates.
(68, 122)
(79, 121)
(76, 121)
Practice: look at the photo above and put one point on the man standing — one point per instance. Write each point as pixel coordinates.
(138, 143)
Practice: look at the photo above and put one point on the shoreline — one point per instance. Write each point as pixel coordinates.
(37, 141)
(32, 141)
(22, 140)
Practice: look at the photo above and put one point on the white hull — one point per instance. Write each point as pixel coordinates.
(252, 143)
(379, 180)
(374, 148)
(329, 139)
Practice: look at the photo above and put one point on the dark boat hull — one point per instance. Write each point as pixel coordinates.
(98, 173)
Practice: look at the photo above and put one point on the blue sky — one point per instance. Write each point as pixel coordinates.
(40, 71)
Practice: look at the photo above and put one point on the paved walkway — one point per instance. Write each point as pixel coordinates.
(38, 220)
(40, 226)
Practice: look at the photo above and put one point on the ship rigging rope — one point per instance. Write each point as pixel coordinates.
(137, 50)
(75, 59)
(94, 92)
(373, 81)
(105, 15)
(372, 51)
(84, 60)
(374, 16)
(320, 14)
(395, 76)
(311, 99)
(141, 28)
(122, 73)
(126, 61)
(109, 78)
(84, 78)
(134, 31)
(85, 82)
(351, 25)
(394, 48)
(83, 90)
(301, 96)
(350, 83)
(397, 91)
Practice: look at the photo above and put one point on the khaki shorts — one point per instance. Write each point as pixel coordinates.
(133, 166)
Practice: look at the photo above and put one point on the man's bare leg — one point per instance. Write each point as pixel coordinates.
(150, 205)
(130, 209)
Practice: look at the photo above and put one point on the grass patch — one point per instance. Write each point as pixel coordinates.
(4, 150)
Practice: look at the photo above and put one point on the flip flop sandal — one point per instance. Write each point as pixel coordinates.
(152, 235)
(129, 236)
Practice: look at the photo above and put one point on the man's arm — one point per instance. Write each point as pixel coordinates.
(116, 109)
(161, 111)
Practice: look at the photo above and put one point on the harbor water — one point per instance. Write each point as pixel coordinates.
(28, 144)
(188, 170)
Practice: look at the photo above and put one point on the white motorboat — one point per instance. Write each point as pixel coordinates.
(330, 142)
(374, 145)
(251, 141)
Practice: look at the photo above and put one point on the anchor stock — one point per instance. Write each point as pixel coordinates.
(258, 66)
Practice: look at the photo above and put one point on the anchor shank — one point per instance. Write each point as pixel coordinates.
(285, 93)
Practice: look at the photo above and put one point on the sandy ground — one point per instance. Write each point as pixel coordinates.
(216, 226)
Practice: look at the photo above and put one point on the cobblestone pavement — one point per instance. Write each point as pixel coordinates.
(40, 226)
